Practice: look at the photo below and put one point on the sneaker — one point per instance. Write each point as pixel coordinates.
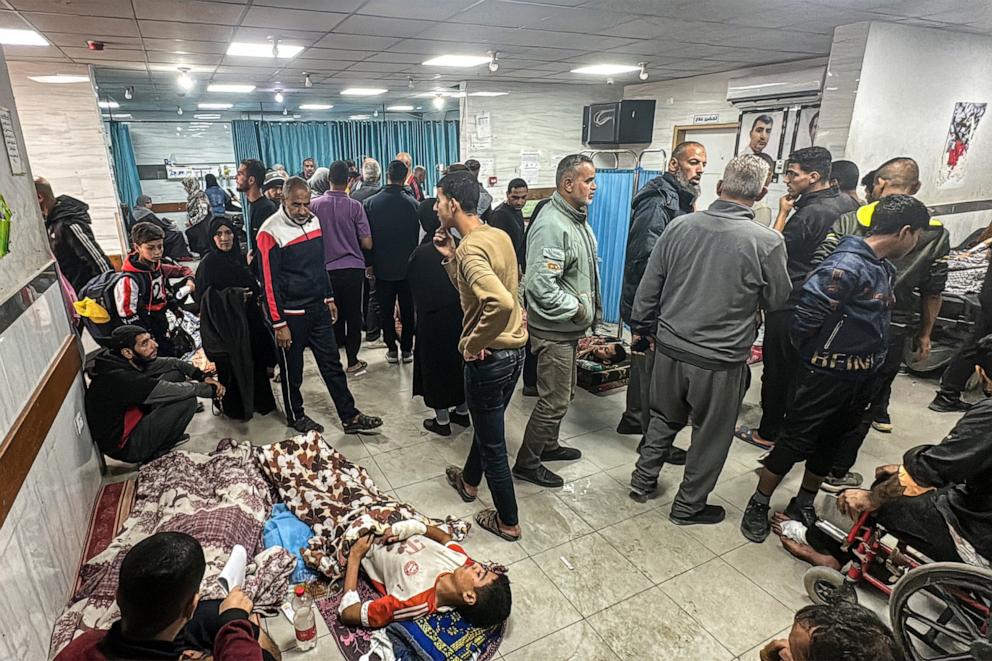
(804, 515)
(540, 476)
(460, 419)
(882, 423)
(432, 425)
(530, 391)
(392, 357)
(710, 514)
(362, 424)
(944, 404)
(305, 424)
(755, 525)
(834, 484)
(561, 453)
(407, 356)
(357, 369)
(628, 427)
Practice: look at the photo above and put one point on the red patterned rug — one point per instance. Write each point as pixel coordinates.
(113, 505)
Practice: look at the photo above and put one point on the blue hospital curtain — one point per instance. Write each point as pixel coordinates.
(609, 216)
(125, 169)
(244, 132)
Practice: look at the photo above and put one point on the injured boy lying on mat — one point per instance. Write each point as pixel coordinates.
(417, 567)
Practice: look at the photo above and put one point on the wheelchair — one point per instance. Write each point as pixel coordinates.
(940, 611)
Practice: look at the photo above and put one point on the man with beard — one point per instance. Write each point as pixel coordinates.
(761, 131)
(309, 167)
(139, 405)
(249, 180)
(299, 303)
(707, 277)
(509, 217)
(661, 201)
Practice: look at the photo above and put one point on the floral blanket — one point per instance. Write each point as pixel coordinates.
(221, 499)
(336, 498)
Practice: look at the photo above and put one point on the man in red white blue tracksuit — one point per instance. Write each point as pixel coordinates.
(299, 303)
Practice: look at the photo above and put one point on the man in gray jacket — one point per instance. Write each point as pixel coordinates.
(561, 286)
(707, 276)
(662, 200)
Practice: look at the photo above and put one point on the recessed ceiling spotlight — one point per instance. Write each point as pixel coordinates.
(457, 61)
(609, 81)
(438, 101)
(606, 69)
(214, 106)
(316, 106)
(185, 81)
(12, 37)
(129, 93)
(306, 80)
(236, 88)
(363, 91)
(643, 75)
(179, 110)
(108, 104)
(274, 49)
(279, 97)
(399, 108)
(60, 79)
(493, 64)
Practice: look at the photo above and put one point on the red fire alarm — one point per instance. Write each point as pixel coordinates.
(492, 181)
(94, 45)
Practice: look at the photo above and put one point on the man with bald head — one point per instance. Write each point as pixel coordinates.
(411, 181)
(662, 200)
(70, 234)
(924, 270)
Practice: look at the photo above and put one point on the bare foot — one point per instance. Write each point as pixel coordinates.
(807, 553)
(777, 522)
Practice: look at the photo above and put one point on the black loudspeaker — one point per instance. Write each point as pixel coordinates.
(620, 122)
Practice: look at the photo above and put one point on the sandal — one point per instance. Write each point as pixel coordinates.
(489, 520)
(454, 476)
(363, 424)
(748, 435)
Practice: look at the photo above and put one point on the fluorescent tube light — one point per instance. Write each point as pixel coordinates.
(236, 88)
(108, 104)
(457, 61)
(399, 108)
(606, 69)
(60, 79)
(214, 106)
(363, 91)
(316, 106)
(12, 37)
(245, 49)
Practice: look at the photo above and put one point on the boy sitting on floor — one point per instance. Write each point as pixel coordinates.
(827, 633)
(162, 616)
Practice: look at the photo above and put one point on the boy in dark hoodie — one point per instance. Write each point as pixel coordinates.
(840, 328)
(142, 298)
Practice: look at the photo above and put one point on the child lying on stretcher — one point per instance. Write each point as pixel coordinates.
(602, 350)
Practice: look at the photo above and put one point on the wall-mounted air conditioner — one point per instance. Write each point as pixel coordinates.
(805, 84)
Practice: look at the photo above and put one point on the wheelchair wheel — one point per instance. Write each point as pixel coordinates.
(940, 612)
(827, 586)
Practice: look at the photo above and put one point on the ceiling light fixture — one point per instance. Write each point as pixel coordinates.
(399, 108)
(60, 79)
(493, 64)
(316, 106)
(207, 116)
(605, 69)
(12, 37)
(185, 81)
(118, 116)
(285, 111)
(438, 101)
(363, 91)
(236, 88)
(275, 49)
(306, 80)
(488, 93)
(129, 93)
(409, 82)
(457, 61)
(279, 97)
(179, 111)
(108, 104)
(214, 106)
(643, 75)
(358, 117)
(375, 113)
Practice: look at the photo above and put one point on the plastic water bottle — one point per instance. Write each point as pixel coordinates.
(303, 620)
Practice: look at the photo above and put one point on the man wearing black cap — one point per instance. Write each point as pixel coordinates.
(139, 405)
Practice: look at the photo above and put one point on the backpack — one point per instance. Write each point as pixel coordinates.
(98, 308)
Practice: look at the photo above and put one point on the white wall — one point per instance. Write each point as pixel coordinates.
(67, 144)
(544, 118)
(907, 84)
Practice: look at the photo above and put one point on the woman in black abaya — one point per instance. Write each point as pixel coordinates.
(234, 334)
(437, 362)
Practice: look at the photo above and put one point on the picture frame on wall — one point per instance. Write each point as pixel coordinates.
(803, 128)
(762, 131)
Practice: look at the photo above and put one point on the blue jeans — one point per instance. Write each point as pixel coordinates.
(489, 385)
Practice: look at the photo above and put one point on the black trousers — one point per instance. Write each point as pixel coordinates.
(370, 309)
(825, 408)
(530, 367)
(780, 363)
(158, 326)
(960, 369)
(348, 284)
(157, 432)
(387, 292)
(880, 391)
(313, 330)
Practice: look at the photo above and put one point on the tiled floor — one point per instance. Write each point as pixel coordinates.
(596, 575)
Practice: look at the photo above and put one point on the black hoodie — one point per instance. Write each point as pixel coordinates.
(71, 237)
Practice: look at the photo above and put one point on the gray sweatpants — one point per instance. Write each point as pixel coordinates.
(555, 383)
(713, 399)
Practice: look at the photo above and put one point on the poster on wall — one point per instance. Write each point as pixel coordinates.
(482, 138)
(10, 140)
(954, 161)
(808, 120)
(760, 131)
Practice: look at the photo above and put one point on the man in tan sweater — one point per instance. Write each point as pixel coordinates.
(484, 269)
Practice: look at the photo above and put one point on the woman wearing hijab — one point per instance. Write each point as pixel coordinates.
(437, 362)
(216, 195)
(197, 211)
(320, 181)
(232, 328)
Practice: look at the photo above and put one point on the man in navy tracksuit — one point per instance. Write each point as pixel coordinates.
(299, 303)
(840, 328)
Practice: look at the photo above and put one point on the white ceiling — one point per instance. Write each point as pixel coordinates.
(383, 42)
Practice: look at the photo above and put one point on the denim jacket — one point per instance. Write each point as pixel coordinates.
(841, 322)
